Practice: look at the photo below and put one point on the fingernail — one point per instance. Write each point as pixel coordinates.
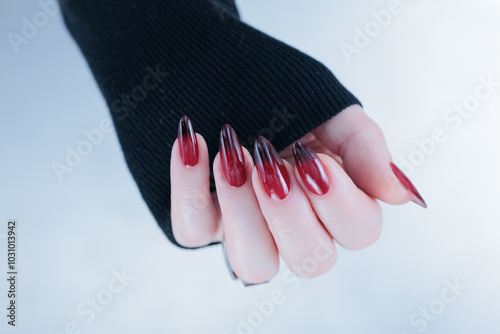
(188, 144)
(408, 186)
(271, 169)
(232, 158)
(311, 170)
(226, 260)
(246, 285)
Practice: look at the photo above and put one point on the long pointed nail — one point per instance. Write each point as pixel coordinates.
(188, 145)
(232, 157)
(408, 186)
(311, 170)
(271, 169)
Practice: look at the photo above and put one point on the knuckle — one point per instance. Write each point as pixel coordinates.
(191, 225)
(193, 233)
(250, 266)
(370, 233)
(190, 240)
(315, 269)
(362, 242)
(318, 262)
(256, 275)
(297, 228)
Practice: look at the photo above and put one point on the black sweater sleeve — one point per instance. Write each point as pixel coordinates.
(156, 60)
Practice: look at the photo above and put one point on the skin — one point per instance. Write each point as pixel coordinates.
(304, 227)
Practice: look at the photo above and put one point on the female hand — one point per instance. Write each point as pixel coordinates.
(294, 204)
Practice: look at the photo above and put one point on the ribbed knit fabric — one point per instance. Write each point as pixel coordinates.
(156, 60)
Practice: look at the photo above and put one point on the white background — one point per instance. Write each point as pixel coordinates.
(75, 233)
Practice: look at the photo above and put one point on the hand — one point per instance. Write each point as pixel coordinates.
(295, 207)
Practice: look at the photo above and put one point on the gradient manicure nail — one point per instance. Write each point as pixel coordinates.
(232, 157)
(408, 186)
(311, 170)
(271, 169)
(188, 145)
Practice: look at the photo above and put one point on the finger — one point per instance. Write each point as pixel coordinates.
(250, 247)
(360, 143)
(195, 220)
(302, 240)
(311, 141)
(353, 218)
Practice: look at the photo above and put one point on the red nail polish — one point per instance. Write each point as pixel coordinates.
(232, 158)
(311, 170)
(271, 169)
(408, 186)
(188, 145)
